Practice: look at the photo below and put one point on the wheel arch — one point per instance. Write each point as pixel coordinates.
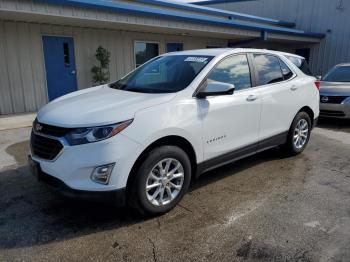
(173, 140)
(310, 112)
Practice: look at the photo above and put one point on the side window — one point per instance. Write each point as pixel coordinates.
(301, 64)
(232, 70)
(269, 69)
(287, 73)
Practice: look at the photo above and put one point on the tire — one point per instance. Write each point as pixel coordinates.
(153, 172)
(298, 140)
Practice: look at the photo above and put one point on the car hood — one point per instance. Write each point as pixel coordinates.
(335, 88)
(97, 106)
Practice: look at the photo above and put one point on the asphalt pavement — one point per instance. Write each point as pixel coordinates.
(263, 208)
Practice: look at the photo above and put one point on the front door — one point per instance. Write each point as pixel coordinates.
(231, 122)
(60, 65)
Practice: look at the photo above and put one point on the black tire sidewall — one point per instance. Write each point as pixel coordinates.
(290, 143)
(151, 160)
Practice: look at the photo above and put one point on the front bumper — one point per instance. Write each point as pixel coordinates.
(75, 164)
(115, 197)
(335, 110)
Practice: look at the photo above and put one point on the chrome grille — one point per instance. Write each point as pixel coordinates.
(332, 99)
(332, 113)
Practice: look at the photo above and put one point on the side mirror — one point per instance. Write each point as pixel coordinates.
(215, 89)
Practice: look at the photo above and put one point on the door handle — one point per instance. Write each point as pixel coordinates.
(252, 98)
(73, 72)
(294, 87)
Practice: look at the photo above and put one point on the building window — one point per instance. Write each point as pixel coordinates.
(174, 47)
(145, 51)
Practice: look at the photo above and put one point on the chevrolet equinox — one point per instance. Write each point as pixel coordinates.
(142, 139)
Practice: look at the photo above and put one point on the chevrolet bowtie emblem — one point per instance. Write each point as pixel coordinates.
(38, 127)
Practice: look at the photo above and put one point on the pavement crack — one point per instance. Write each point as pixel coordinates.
(301, 256)
(153, 249)
(186, 208)
(159, 225)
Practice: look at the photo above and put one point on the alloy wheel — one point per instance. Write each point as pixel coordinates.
(164, 182)
(301, 133)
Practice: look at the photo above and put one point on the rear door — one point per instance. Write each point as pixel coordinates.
(279, 91)
(231, 122)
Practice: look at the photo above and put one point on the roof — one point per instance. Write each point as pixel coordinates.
(204, 52)
(343, 64)
(223, 51)
(212, 2)
(203, 16)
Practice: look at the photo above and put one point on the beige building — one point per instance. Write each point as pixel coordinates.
(47, 47)
(331, 17)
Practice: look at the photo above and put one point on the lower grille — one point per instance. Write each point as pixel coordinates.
(332, 99)
(332, 113)
(50, 180)
(45, 148)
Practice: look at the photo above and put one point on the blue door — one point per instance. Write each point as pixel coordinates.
(60, 65)
(174, 47)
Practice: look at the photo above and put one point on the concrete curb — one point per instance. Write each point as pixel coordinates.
(8, 122)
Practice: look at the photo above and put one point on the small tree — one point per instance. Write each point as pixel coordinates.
(100, 73)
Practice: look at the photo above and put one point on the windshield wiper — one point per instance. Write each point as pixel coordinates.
(137, 90)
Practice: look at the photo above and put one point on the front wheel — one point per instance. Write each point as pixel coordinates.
(161, 181)
(299, 134)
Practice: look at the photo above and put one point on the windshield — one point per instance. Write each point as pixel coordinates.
(338, 74)
(164, 74)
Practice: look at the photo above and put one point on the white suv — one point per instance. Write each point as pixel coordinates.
(142, 139)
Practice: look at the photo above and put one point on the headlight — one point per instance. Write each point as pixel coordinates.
(94, 134)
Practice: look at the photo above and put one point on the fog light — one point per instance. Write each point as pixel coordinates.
(102, 174)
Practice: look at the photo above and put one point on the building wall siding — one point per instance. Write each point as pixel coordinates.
(309, 15)
(93, 16)
(22, 68)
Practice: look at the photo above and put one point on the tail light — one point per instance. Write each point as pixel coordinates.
(318, 84)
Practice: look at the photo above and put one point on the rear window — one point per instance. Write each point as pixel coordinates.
(301, 64)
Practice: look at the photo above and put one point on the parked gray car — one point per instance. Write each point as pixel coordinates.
(335, 92)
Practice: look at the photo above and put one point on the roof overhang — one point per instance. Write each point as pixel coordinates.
(179, 16)
(215, 11)
(181, 22)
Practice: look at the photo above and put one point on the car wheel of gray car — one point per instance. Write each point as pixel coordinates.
(161, 181)
(299, 134)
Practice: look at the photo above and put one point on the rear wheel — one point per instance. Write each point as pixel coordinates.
(299, 134)
(161, 181)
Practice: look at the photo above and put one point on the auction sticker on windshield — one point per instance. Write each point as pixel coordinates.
(196, 59)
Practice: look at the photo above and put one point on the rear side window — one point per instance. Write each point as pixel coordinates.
(232, 70)
(301, 64)
(269, 69)
(286, 72)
